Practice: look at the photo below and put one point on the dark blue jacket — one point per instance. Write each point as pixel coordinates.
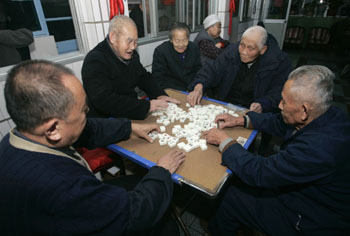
(44, 192)
(272, 72)
(310, 174)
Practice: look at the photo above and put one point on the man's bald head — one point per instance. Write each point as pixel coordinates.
(256, 32)
(34, 93)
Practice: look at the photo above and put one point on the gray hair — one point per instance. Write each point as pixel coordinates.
(313, 84)
(257, 30)
(119, 22)
(179, 26)
(34, 93)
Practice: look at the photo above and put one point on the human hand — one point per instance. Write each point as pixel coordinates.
(218, 45)
(142, 130)
(195, 96)
(172, 160)
(255, 106)
(168, 99)
(157, 104)
(226, 120)
(215, 136)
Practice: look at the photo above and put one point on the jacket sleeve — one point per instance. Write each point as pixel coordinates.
(147, 83)
(209, 49)
(299, 163)
(211, 74)
(99, 132)
(270, 101)
(159, 68)
(198, 64)
(16, 38)
(150, 199)
(95, 74)
(85, 205)
(270, 123)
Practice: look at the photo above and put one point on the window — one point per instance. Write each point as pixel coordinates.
(45, 17)
(159, 15)
(247, 10)
(166, 14)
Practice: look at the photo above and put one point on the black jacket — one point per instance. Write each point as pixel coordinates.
(272, 72)
(170, 71)
(43, 192)
(110, 84)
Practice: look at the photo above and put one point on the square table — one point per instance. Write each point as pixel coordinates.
(201, 169)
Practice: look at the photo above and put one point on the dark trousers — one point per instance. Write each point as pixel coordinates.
(166, 226)
(261, 210)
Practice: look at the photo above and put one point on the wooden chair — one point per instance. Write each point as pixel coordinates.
(319, 37)
(294, 36)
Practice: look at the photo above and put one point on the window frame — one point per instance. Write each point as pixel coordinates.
(65, 46)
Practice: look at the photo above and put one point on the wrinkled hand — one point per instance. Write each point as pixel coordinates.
(218, 45)
(255, 106)
(142, 130)
(168, 99)
(215, 136)
(195, 96)
(172, 160)
(226, 120)
(157, 104)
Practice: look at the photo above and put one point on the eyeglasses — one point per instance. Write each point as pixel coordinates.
(130, 41)
(178, 41)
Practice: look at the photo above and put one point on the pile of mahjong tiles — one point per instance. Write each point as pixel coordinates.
(200, 118)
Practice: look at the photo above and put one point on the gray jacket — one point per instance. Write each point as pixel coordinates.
(10, 40)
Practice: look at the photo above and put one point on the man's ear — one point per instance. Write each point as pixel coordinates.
(52, 131)
(305, 113)
(112, 37)
(263, 50)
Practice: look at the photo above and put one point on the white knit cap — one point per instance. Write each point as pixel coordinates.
(210, 20)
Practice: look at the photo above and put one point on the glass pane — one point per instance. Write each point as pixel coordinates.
(148, 18)
(22, 14)
(55, 8)
(201, 11)
(277, 9)
(235, 14)
(247, 9)
(166, 14)
(62, 29)
(190, 14)
(136, 13)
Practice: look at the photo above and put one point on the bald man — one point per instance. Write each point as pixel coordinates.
(250, 73)
(111, 72)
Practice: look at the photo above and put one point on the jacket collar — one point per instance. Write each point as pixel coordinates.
(24, 144)
(332, 117)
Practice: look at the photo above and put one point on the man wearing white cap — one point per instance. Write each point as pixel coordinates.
(209, 41)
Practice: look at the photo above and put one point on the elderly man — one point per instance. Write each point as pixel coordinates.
(304, 189)
(250, 73)
(46, 186)
(111, 72)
